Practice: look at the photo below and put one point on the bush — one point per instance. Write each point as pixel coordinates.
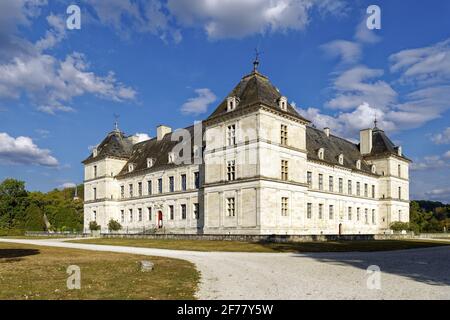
(113, 225)
(11, 233)
(93, 226)
(400, 226)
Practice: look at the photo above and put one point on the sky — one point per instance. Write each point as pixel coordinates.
(173, 61)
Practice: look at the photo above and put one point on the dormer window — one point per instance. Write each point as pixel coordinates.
(150, 162)
(321, 153)
(232, 103)
(358, 164)
(131, 167)
(341, 159)
(95, 152)
(283, 103)
(171, 157)
(373, 168)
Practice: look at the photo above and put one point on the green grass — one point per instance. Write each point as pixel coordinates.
(234, 246)
(31, 272)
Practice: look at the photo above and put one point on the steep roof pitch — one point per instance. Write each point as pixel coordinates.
(159, 151)
(116, 145)
(333, 146)
(252, 90)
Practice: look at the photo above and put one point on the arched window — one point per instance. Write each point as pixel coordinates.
(341, 159)
(358, 164)
(321, 153)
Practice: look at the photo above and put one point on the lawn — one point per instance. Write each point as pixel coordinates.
(234, 246)
(31, 272)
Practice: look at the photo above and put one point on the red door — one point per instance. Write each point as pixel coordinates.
(160, 219)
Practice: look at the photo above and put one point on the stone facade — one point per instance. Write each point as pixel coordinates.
(256, 168)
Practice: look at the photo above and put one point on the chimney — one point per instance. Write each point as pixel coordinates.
(162, 131)
(327, 132)
(365, 137)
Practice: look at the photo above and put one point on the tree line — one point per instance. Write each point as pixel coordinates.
(21, 210)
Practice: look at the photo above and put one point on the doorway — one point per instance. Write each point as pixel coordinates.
(160, 219)
(340, 229)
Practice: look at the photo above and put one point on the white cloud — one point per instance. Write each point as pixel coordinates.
(348, 51)
(432, 162)
(199, 104)
(22, 150)
(439, 194)
(365, 35)
(238, 19)
(360, 85)
(67, 185)
(142, 137)
(442, 138)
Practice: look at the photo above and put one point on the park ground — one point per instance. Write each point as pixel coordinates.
(410, 270)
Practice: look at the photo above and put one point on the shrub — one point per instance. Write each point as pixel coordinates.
(113, 225)
(399, 226)
(93, 226)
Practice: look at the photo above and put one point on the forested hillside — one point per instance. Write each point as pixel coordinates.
(22, 210)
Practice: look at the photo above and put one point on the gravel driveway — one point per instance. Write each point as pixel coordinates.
(409, 274)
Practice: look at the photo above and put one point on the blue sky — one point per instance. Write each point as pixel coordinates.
(173, 61)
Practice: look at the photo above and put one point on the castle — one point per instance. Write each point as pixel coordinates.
(255, 166)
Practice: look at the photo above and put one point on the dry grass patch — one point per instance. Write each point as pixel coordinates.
(32, 272)
(235, 246)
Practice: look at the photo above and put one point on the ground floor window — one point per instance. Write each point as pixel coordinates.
(358, 214)
(94, 215)
(309, 211)
(284, 206)
(196, 211)
(349, 213)
(373, 216)
(140, 214)
(331, 212)
(320, 211)
(183, 211)
(131, 215)
(231, 207)
(122, 216)
(171, 213)
(149, 214)
(366, 216)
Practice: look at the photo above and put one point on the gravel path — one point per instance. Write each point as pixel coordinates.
(409, 274)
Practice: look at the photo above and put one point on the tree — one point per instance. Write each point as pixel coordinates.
(113, 225)
(93, 226)
(34, 219)
(399, 226)
(12, 201)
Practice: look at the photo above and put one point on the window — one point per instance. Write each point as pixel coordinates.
(350, 213)
(231, 103)
(341, 159)
(196, 211)
(358, 189)
(171, 212)
(140, 214)
(366, 216)
(399, 170)
(320, 211)
(160, 185)
(171, 184)
(309, 179)
(400, 215)
(349, 187)
(150, 162)
(122, 216)
(331, 183)
(284, 170)
(373, 216)
(283, 103)
(130, 167)
(94, 191)
(399, 192)
(149, 211)
(197, 180)
(366, 190)
(131, 190)
(320, 181)
(171, 158)
(231, 209)
(231, 170)
(341, 185)
(122, 192)
(95, 171)
(358, 164)
(284, 207)
(149, 187)
(358, 214)
(140, 189)
(321, 153)
(94, 215)
(183, 182)
(284, 135)
(331, 212)
(131, 215)
(183, 212)
(373, 191)
(309, 211)
(231, 135)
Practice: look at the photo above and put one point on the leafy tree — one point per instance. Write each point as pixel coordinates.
(399, 226)
(93, 226)
(12, 201)
(34, 219)
(113, 225)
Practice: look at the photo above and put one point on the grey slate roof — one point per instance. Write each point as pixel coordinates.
(116, 145)
(333, 146)
(159, 151)
(382, 145)
(255, 88)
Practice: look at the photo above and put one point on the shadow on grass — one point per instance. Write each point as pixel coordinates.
(16, 254)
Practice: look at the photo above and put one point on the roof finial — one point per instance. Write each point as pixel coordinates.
(375, 122)
(256, 62)
(116, 123)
